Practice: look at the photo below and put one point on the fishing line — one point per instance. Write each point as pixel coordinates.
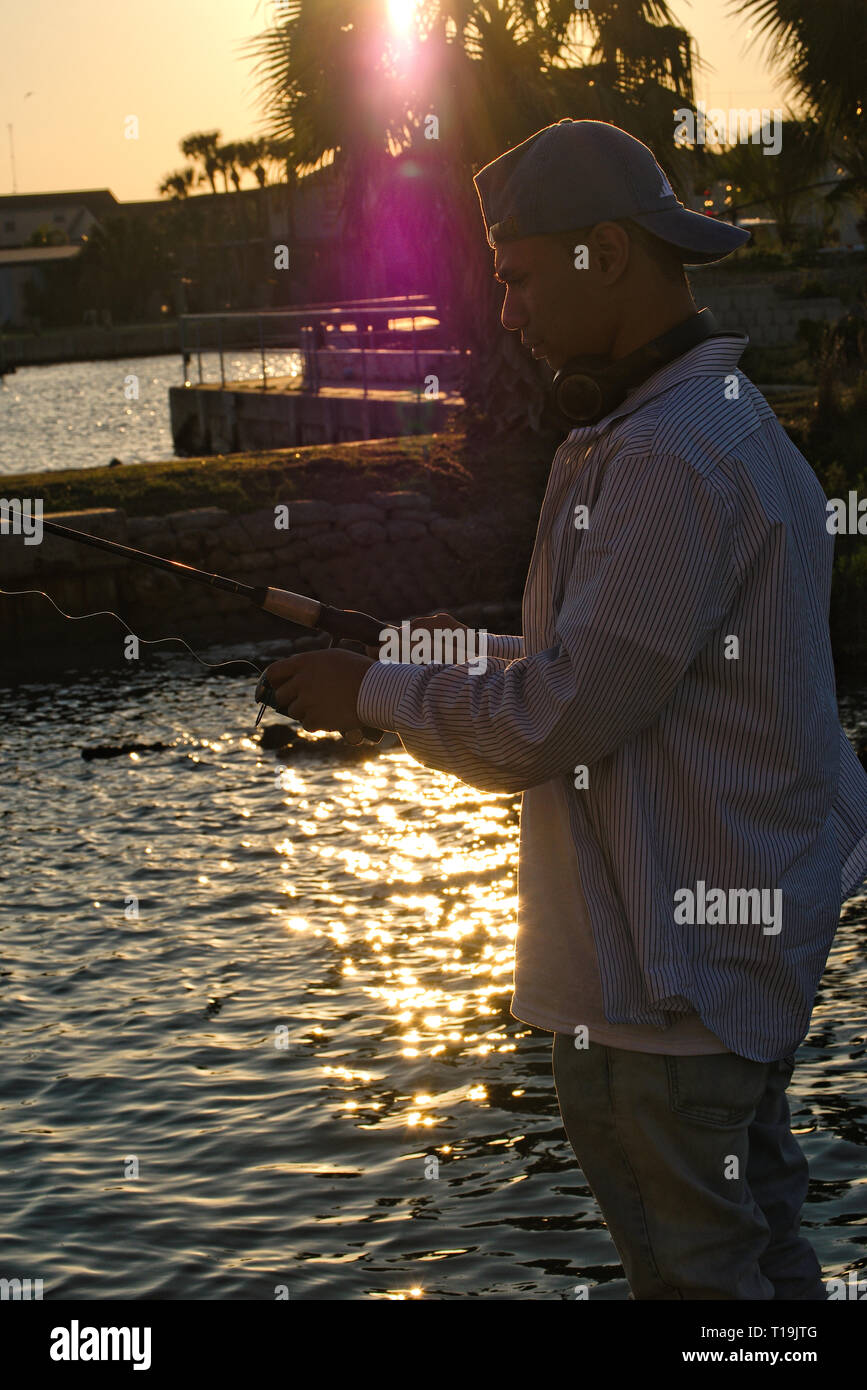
(339, 623)
(148, 641)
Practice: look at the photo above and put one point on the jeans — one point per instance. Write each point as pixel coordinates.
(695, 1168)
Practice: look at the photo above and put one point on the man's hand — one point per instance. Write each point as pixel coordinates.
(320, 689)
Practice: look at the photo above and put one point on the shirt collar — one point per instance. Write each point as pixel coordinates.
(714, 357)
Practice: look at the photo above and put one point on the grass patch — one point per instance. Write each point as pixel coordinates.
(461, 478)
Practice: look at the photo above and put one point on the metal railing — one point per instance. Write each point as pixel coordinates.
(309, 323)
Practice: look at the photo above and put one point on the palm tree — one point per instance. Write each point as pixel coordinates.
(278, 163)
(203, 146)
(336, 81)
(825, 51)
(782, 181)
(279, 153)
(249, 157)
(179, 184)
(227, 165)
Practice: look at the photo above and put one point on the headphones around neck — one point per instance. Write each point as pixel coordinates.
(587, 388)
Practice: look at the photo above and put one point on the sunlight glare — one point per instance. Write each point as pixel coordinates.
(401, 14)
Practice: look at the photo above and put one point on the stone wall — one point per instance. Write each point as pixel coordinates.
(392, 556)
(768, 319)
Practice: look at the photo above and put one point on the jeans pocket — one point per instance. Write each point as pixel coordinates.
(720, 1089)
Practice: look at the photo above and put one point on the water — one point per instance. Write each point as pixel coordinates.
(76, 414)
(359, 912)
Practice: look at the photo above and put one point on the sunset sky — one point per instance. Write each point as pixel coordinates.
(70, 74)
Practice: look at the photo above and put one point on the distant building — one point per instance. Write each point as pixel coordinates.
(837, 224)
(306, 219)
(73, 214)
(23, 264)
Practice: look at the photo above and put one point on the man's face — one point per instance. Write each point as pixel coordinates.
(559, 310)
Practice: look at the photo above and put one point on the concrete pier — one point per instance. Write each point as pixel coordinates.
(370, 395)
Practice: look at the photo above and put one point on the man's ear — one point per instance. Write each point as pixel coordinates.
(612, 238)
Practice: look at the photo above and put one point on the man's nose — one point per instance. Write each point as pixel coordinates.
(512, 315)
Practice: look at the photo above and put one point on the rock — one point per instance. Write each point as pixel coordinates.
(108, 522)
(401, 529)
(259, 528)
(22, 561)
(301, 513)
(198, 519)
(367, 532)
(229, 540)
(142, 525)
(106, 750)
(329, 750)
(275, 736)
(292, 558)
(441, 527)
(304, 532)
(349, 512)
(463, 536)
(401, 501)
(331, 542)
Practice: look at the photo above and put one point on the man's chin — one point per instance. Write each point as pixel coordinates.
(549, 356)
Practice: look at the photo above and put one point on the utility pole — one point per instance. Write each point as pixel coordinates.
(12, 157)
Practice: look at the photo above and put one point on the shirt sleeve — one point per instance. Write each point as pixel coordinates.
(652, 580)
(508, 647)
(850, 819)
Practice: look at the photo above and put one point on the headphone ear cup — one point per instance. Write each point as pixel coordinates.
(578, 395)
(586, 388)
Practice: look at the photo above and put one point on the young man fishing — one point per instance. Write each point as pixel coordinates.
(693, 815)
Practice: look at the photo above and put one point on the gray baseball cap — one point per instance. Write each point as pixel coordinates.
(577, 173)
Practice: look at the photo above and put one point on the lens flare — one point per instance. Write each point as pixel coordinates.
(401, 14)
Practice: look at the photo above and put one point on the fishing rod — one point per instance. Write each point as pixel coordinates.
(339, 623)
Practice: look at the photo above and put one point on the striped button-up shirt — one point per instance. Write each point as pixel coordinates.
(676, 646)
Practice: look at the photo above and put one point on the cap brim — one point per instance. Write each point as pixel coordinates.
(701, 239)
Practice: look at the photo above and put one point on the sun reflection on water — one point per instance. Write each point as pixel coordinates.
(410, 876)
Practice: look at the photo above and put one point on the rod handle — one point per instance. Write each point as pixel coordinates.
(349, 624)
